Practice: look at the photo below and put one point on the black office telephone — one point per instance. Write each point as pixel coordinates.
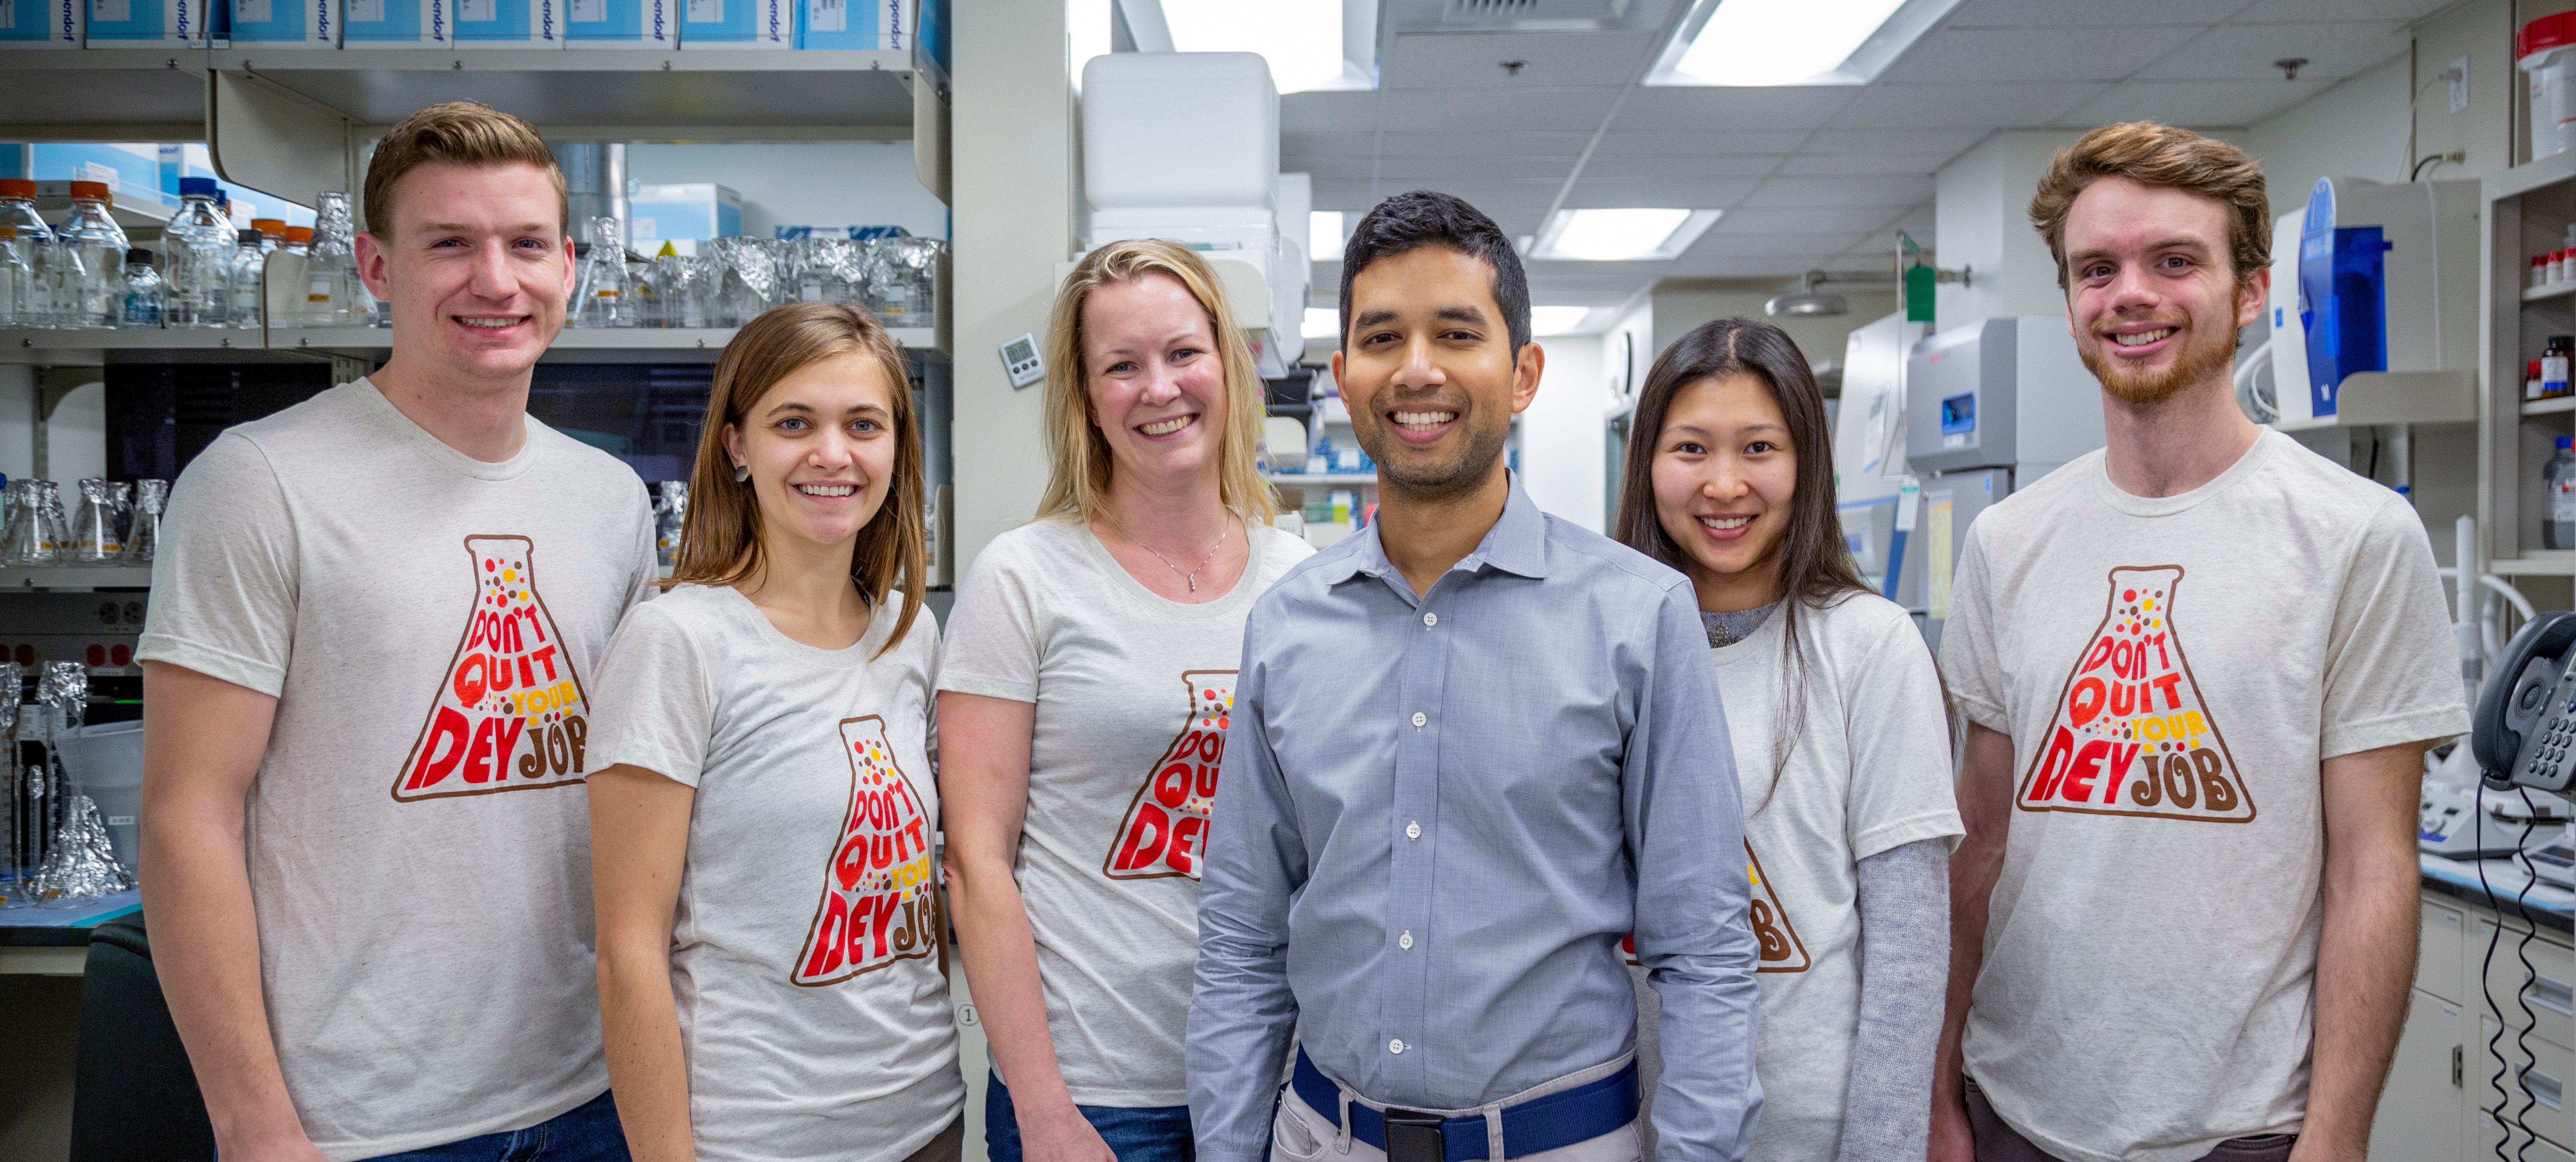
(2524, 732)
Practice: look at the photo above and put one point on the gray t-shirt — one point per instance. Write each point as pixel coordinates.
(1133, 692)
(804, 948)
(418, 840)
(2172, 671)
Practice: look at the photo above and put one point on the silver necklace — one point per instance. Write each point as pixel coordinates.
(1192, 577)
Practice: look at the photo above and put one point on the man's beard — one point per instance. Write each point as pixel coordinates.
(2206, 355)
(1475, 453)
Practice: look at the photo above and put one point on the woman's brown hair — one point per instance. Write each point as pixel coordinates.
(1815, 565)
(720, 535)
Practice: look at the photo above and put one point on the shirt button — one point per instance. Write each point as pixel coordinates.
(1405, 942)
(1430, 619)
(1419, 718)
(1395, 1046)
(1413, 831)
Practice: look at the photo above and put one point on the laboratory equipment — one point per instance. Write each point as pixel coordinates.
(197, 250)
(840, 24)
(621, 24)
(26, 258)
(242, 270)
(2558, 477)
(286, 279)
(90, 249)
(2545, 50)
(43, 24)
(22, 800)
(285, 23)
(1224, 204)
(146, 23)
(739, 24)
(34, 535)
(95, 538)
(747, 280)
(334, 296)
(144, 291)
(2455, 821)
(143, 534)
(833, 270)
(1869, 456)
(80, 864)
(1990, 407)
(2387, 279)
(602, 299)
(2524, 729)
(903, 282)
(536, 24)
(401, 24)
(687, 213)
(670, 515)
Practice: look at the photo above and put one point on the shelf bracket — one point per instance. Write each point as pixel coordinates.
(274, 140)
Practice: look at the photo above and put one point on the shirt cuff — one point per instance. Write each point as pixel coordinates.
(969, 682)
(248, 673)
(2346, 738)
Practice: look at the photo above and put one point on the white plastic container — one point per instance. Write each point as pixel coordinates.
(108, 762)
(2546, 52)
(137, 23)
(1141, 109)
(43, 23)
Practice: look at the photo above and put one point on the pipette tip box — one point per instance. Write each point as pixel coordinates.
(367, 24)
(286, 23)
(737, 24)
(121, 23)
(509, 24)
(28, 24)
(647, 24)
(853, 24)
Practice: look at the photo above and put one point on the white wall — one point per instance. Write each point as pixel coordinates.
(1561, 432)
(816, 183)
(2355, 129)
(1681, 304)
(1980, 212)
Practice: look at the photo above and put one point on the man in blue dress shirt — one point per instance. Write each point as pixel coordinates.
(1473, 747)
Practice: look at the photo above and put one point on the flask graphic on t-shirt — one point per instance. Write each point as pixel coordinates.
(2132, 734)
(509, 714)
(1165, 830)
(1780, 950)
(878, 905)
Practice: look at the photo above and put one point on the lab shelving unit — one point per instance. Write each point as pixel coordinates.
(2528, 209)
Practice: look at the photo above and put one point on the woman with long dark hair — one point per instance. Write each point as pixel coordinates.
(1840, 738)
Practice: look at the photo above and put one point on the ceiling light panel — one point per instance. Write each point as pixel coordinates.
(1792, 42)
(1558, 320)
(1311, 45)
(1620, 235)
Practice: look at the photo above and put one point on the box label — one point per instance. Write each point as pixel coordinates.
(250, 12)
(830, 15)
(706, 11)
(115, 11)
(587, 11)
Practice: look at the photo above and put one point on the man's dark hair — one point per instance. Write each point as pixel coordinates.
(1430, 218)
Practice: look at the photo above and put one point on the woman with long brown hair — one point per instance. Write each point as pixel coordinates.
(770, 982)
(1084, 690)
(1841, 743)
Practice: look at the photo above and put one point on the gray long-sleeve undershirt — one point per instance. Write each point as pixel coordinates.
(1904, 968)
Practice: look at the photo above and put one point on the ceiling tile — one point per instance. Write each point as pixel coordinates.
(1778, 141)
(1782, 266)
(2094, 13)
(1470, 167)
(2316, 10)
(1803, 220)
(2245, 52)
(1474, 60)
(1691, 164)
(1963, 106)
(1324, 112)
(2200, 103)
(2033, 54)
(1708, 108)
(1362, 144)
(1949, 141)
(1847, 164)
(1693, 193)
(1797, 193)
(1561, 109)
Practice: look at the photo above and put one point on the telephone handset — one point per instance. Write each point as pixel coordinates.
(2524, 732)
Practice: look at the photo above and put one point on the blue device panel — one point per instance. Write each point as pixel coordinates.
(2343, 298)
(1959, 414)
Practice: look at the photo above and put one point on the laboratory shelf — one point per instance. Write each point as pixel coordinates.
(1297, 478)
(2542, 407)
(2555, 290)
(575, 345)
(2536, 563)
(21, 579)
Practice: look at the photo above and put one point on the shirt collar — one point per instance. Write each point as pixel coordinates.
(1517, 544)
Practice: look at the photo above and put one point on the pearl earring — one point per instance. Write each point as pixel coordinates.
(741, 472)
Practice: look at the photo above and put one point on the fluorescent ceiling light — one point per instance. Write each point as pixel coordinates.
(1620, 235)
(1322, 323)
(1303, 40)
(1324, 235)
(1557, 320)
(1792, 42)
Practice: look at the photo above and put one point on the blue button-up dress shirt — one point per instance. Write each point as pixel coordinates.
(1439, 816)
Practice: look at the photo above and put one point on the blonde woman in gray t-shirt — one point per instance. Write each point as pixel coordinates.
(1084, 688)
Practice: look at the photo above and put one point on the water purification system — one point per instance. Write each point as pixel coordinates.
(2386, 281)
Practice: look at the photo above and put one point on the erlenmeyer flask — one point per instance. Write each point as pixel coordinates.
(670, 515)
(2131, 706)
(879, 904)
(21, 798)
(94, 536)
(1165, 831)
(81, 864)
(602, 298)
(31, 539)
(510, 714)
(143, 536)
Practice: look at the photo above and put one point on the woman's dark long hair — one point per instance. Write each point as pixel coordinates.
(1815, 564)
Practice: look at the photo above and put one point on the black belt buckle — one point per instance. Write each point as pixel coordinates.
(1414, 1136)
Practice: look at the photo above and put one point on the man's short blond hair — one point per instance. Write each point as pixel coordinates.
(2159, 155)
(466, 133)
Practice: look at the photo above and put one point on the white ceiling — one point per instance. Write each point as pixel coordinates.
(1810, 177)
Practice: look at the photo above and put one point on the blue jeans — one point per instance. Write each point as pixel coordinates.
(587, 1133)
(1149, 1134)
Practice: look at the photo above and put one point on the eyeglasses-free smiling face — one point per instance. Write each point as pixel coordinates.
(820, 444)
(1155, 379)
(1725, 477)
(1428, 371)
(475, 265)
(2151, 294)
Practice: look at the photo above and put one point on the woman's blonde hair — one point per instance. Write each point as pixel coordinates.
(720, 534)
(1078, 454)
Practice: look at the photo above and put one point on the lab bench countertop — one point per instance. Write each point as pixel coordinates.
(2503, 890)
(65, 927)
